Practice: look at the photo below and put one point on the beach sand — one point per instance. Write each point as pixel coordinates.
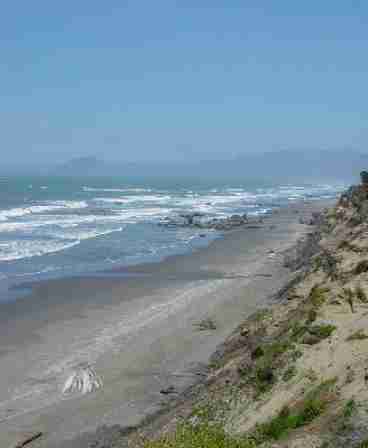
(136, 328)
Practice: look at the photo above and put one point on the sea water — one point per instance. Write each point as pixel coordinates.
(53, 227)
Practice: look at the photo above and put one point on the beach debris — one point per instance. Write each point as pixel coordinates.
(29, 439)
(83, 380)
(169, 390)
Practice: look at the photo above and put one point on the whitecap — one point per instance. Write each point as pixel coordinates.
(133, 199)
(20, 249)
(41, 208)
(118, 190)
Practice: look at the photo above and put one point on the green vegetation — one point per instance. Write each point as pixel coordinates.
(311, 375)
(348, 295)
(208, 435)
(264, 379)
(296, 354)
(312, 407)
(258, 352)
(266, 357)
(284, 422)
(200, 436)
(322, 331)
(363, 444)
(361, 267)
(206, 324)
(357, 335)
(318, 296)
(312, 316)
(298, 330)
(261, 315)
(277, 348)
(345, 423)
(325, 445)
(289, 373)
(317, 263)
(349, 409)
(361, 295)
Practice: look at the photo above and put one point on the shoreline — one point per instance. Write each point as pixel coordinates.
(200, 282)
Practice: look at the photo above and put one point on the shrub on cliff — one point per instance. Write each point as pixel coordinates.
(364, 177)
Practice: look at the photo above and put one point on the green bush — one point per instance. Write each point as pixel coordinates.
(279, 426)
(265, 378)
(317, 295)
(349, 409)
(322, 331)
(313, 406)
(258, 352)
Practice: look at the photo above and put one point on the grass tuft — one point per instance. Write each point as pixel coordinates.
(298, 330)
(348, 296)
(318, 296)
(349, 409)
(312, 316)
(322, 331)
(289, 373)
(260, 315)
(357, 336)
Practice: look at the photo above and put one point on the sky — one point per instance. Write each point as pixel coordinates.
(177, 80)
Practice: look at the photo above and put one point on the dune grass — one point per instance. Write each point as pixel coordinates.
(200, 436)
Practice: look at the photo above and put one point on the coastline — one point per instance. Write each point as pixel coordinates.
(159, 345)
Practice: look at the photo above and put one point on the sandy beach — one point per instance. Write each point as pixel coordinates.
(136, 328)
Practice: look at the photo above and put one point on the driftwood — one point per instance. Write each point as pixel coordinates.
(29, 439)
(84, 380)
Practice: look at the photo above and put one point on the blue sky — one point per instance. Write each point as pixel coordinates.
(145, 80)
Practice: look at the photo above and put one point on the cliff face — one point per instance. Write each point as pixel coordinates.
(296, 374)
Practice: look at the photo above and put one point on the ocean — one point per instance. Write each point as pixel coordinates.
(54, 227)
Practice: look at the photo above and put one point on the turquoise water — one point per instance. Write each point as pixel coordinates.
(54, 227)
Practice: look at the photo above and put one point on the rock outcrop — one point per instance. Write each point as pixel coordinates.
(200, 221)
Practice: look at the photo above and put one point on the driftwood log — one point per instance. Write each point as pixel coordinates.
(29, 439)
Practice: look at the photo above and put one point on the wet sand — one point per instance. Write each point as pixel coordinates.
(138, 332)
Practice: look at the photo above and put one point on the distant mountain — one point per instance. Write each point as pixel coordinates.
(276, 165)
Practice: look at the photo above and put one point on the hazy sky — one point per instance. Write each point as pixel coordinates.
(166, 79)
